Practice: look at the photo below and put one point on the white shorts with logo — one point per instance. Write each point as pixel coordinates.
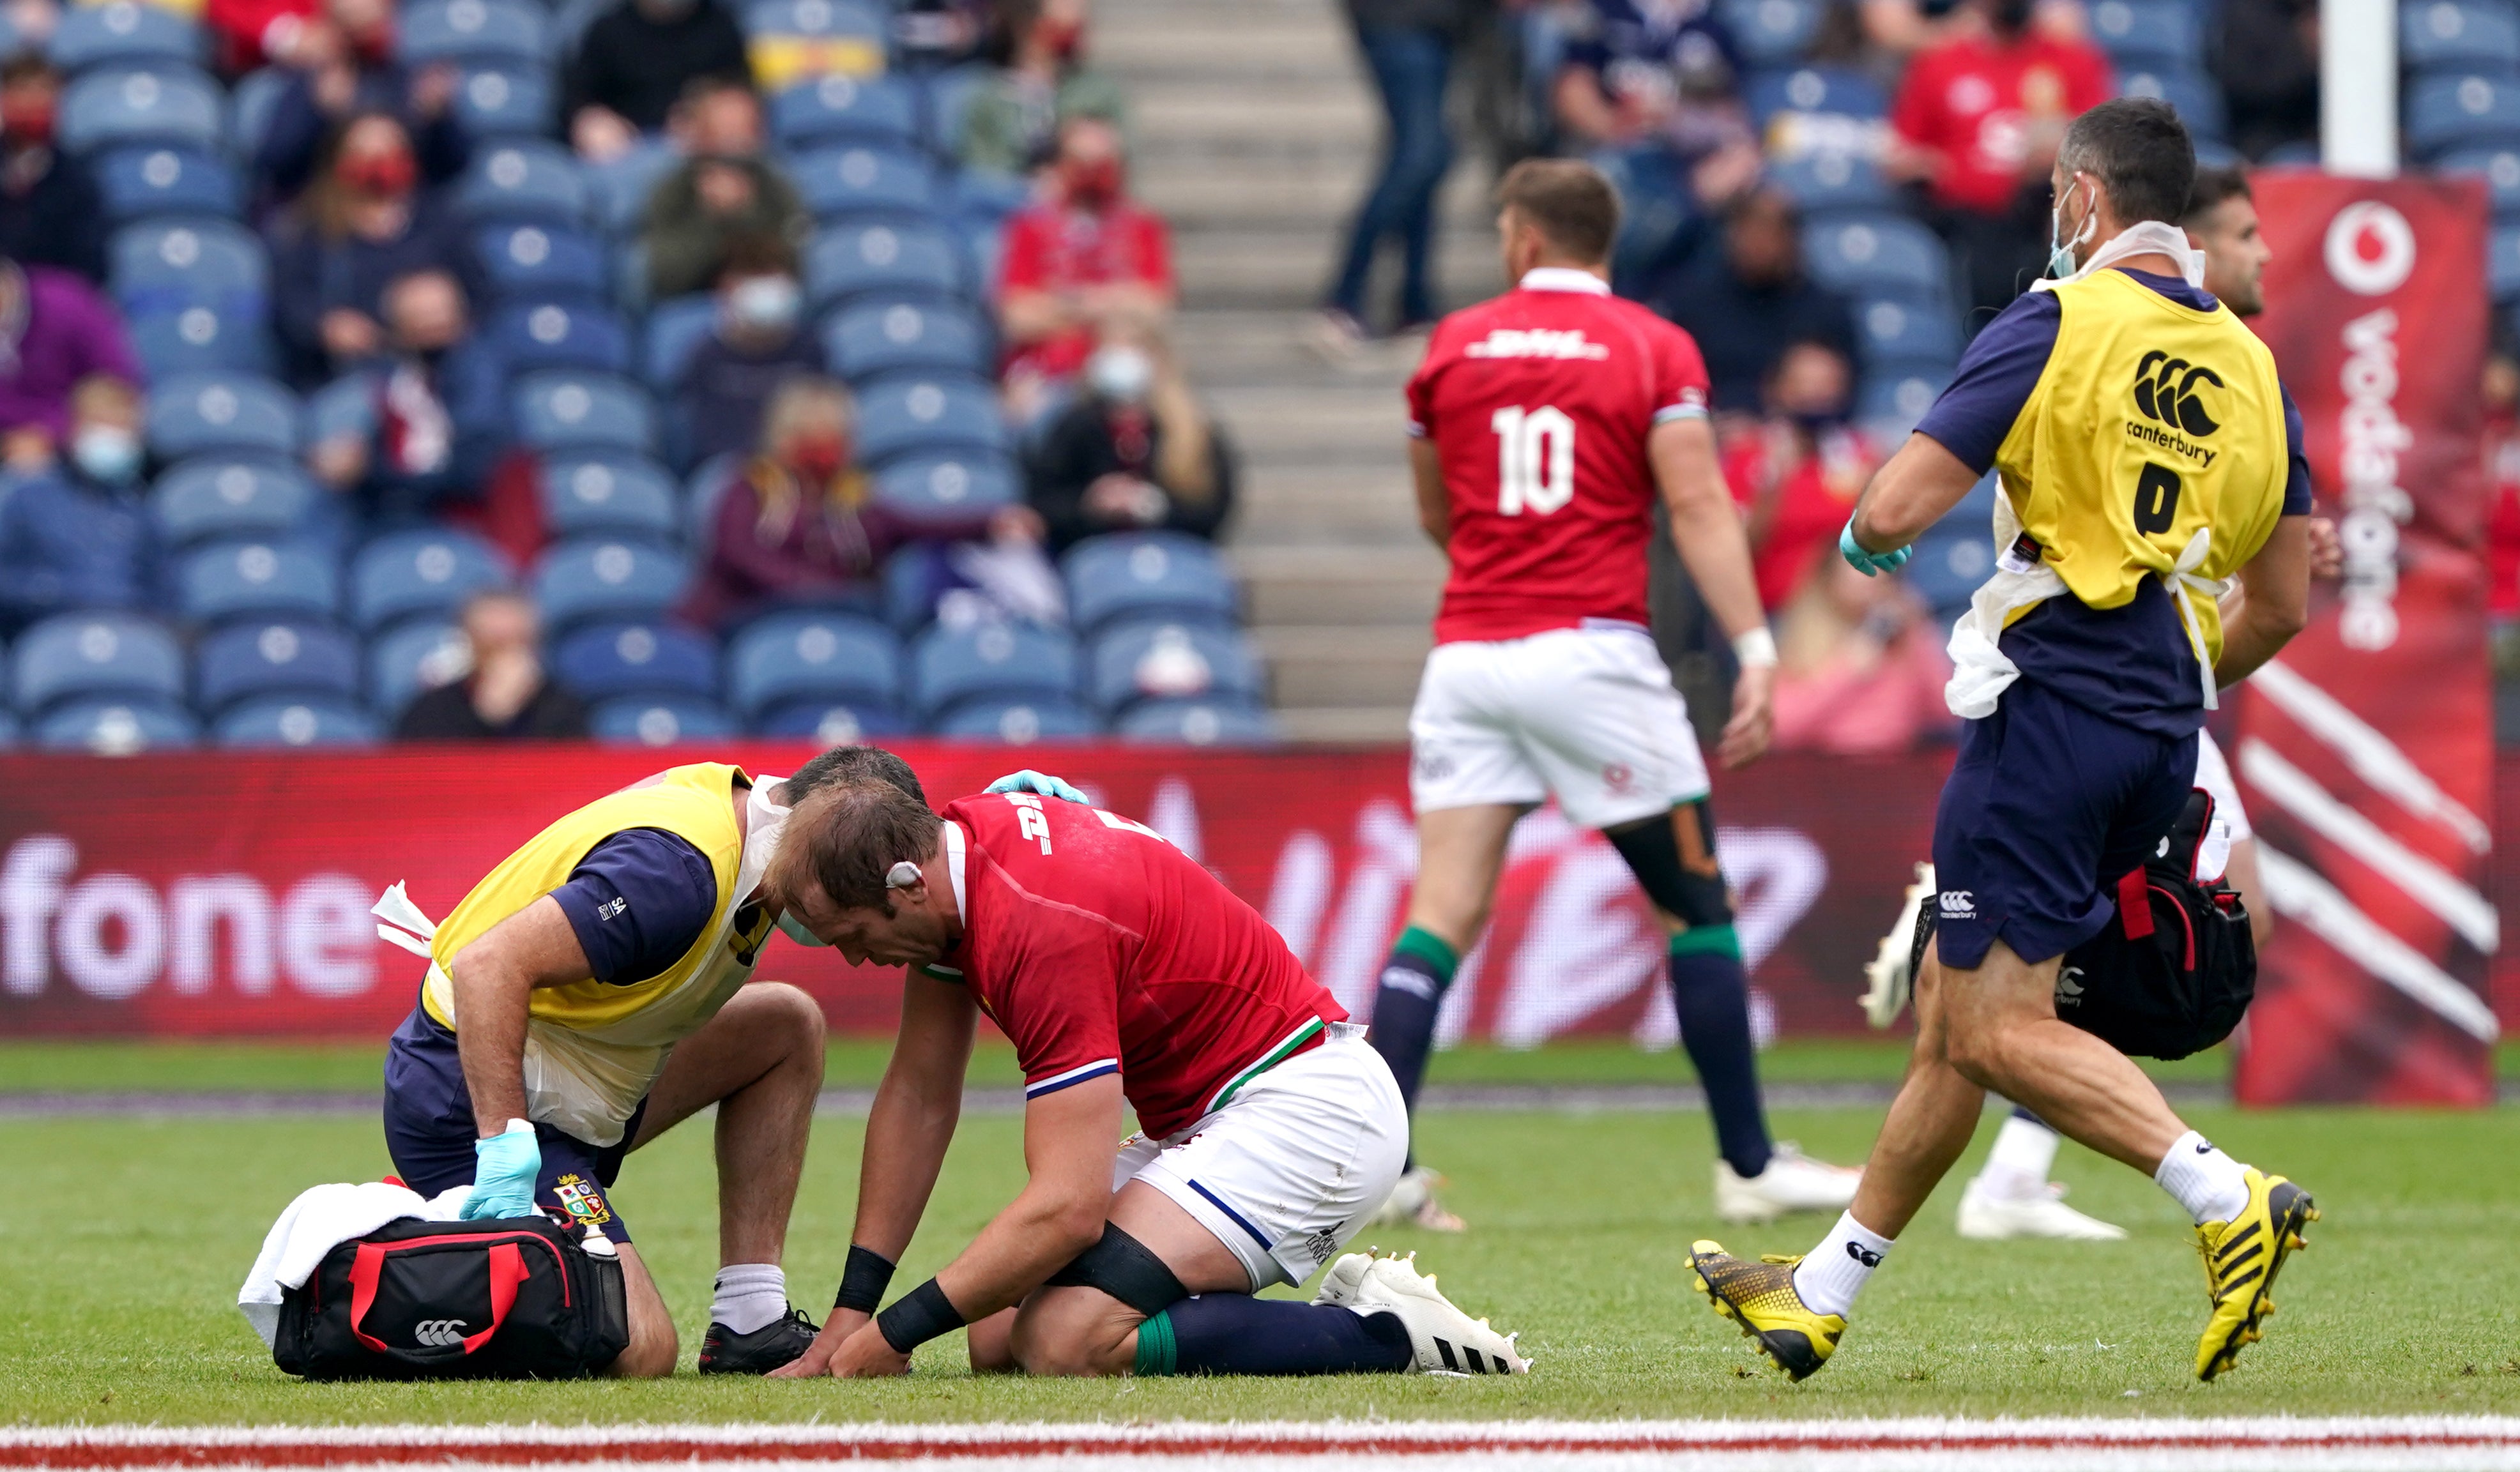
(1287, 1172)
(1585, 715)
(2214, 775)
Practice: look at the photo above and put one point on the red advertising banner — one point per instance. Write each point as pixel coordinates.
(2366, 751)
(227, 894)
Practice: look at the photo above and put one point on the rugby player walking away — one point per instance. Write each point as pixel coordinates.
(1124, 973)
(2147, 454)
(1545, 424)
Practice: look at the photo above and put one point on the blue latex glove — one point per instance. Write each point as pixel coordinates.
(505, 1168)
(1869, 563)
(1042, 783)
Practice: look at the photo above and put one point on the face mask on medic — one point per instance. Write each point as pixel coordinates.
(2060, 253)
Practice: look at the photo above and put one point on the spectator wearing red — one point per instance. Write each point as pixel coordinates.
(246, 33)
(363, 224)
(1978, 118)
(343, 64)
(1084, 261)
(2501, 395)
(1797, 474)
(1861, 667)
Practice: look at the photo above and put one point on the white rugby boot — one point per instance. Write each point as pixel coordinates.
(1792, 1181)
(1993, 1214)
(1890, 979)
(1413, 1203)
(1445, 1340)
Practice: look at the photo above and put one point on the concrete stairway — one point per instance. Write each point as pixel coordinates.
(1256, 133)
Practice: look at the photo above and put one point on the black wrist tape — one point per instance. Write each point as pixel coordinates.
(863, 1280)
(916, 1316)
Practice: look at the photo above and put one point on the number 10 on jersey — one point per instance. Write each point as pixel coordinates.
(1535, 460)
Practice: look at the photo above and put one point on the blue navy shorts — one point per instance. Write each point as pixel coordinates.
(430, 1133)
(2047, 808)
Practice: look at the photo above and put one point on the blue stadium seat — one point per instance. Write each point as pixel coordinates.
(226, 580)
(1895, 395)
(221, 496)
(116, 104)
(983, 197)
(2502, 262)
(563, 408)
(1018, 721)
(835, 108)
(822, 19)
(1771, 32)
(532, 335)
(637, 659)
(951, 665)
(896, 259)
(117, 726)
(414, 658)
(543, 262)
(175, 341)
(1154, 573)
(859, 179)
(473, 30)
(503, 102)
(283, 721)
(812, 657)
(2191, 93)
(595, 493)
(954, 484)
(2448, 111)
(1815, 89)
(1896, 328)
(10, 734)
(1197, 723)
(343, 408)
(621, 189)
(2500, 170)
(674, 331)
(189, 262)
(702, 490)
(255, 96)
(1831, 179)
(277, 656)
(833, 723)
(135, 183)
(949, 104)
(2148, 33)
(211, 412)
(874, 337)
(525, 179)
(103, 653)
(1948, 567)
(430, 571)
(2438, 34)
(1877, 253)
(909, 412)
(638, 720)
(1159, 659)
(123, 32)
(608, 577)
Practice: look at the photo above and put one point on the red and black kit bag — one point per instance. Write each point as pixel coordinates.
(511, 1298)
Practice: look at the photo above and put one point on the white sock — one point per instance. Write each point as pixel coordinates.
(2211, 1185)
(749, 1295)
(1835, 1270)
(2025, 1151)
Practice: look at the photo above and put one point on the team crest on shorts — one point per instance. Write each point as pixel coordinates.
(1617, 777)
(584, 1203)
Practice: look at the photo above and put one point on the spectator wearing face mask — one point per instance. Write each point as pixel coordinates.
(1748, 299)
(1010, 126)
(55, 331)
(1134, 452)
(342, 65)
(637, 62)
(758, 344)
(504, 695)
(50, 214)
(1859, 666)
(436, 416)
(1797, 474)
(77, 536)
(724, 189)
(1082, 263)
(362, 224)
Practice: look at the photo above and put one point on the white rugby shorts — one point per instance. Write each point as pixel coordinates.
(1286, 1174)
(1585, 715)
(2214, 775)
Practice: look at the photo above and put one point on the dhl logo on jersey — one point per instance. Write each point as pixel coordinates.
(1534, 342)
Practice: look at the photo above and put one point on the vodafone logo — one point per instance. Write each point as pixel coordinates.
(2370, 248)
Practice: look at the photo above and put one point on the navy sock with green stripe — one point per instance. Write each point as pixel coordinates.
(1404, 1008)
(1711, 993)
(1237, 1334)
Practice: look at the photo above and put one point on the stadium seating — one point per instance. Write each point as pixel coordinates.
(189, 262)
(175, 341)
(1154, 659)
(165, 103)
(230, 497)
(568, 409)
(1815, 89)
(896, 259)
(473, 30)
(2500, 170)
(136, 183)
(543, 262)
(117, 726)
(2138, 35)
(846, 109)
(2502, 263)
(1831, 179)
(608, 577)
(904, 413)
(1949, 566)
(283, 656)
(250, 104)
(875, 337)
(592, 494)
(498, 103)
(1877, 253)
(833, 723)
(414, 572)
(298, 721)
(226, 580)
(529, 336)
(524, 180)
(620, 190)
(2446, 112)
(1895, 395)
(675, 330)
(1019, 722)
(863, 179)
(949, 103)
(1165, 574)
(1771, 32)
(222, 413)
(602, 660)
(2191, 93)
(1894, 328)
(104, 655)
(949, 484)
(1012, 661)
(813, 658)
(2444, 34)
(413, 657)
(123, 33)
(644, 722)
(1197, 723)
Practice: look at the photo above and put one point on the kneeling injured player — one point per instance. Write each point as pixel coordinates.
(1124, 972)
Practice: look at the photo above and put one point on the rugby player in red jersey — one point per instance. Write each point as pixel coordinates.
(1124, 973)
(1546, 422)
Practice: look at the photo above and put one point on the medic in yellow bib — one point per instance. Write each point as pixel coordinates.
(2152, 545)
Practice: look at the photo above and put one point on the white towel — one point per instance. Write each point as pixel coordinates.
(321, 1219)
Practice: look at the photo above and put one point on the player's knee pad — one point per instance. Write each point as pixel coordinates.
(1126, 1269)
(1680, 877)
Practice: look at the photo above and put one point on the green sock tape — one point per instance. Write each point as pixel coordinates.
(1428, 948)
(1707, 940)
(1156, 1350)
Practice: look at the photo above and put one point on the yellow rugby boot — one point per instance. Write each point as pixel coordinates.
(1760, 1297)
(2242, 1257)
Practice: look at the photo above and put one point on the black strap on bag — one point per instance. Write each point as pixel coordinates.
(513, 1297)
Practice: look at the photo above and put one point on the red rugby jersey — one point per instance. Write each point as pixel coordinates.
(1099, 948)
(1538, 403)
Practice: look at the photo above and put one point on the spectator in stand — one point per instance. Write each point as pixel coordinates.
(1648, 94)
(929, 36)
(637, 62)
(505, 696)
(50, 214)
(248, 34)
(56, 330)
(2267, 65)
(1978, 118)
(1134, 452)
(758, 343)
(1797, 473)
(724, 189)
(1408, 45)
(78, 535)
(1859, 666)
(1076, 265)
(1038, 81)
(362, 224)
(1749, 300)
(2501, 391)
(343, 64)
(438, 415)
(799, 525)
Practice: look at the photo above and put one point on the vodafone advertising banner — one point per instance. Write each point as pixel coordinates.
(2366, 752)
